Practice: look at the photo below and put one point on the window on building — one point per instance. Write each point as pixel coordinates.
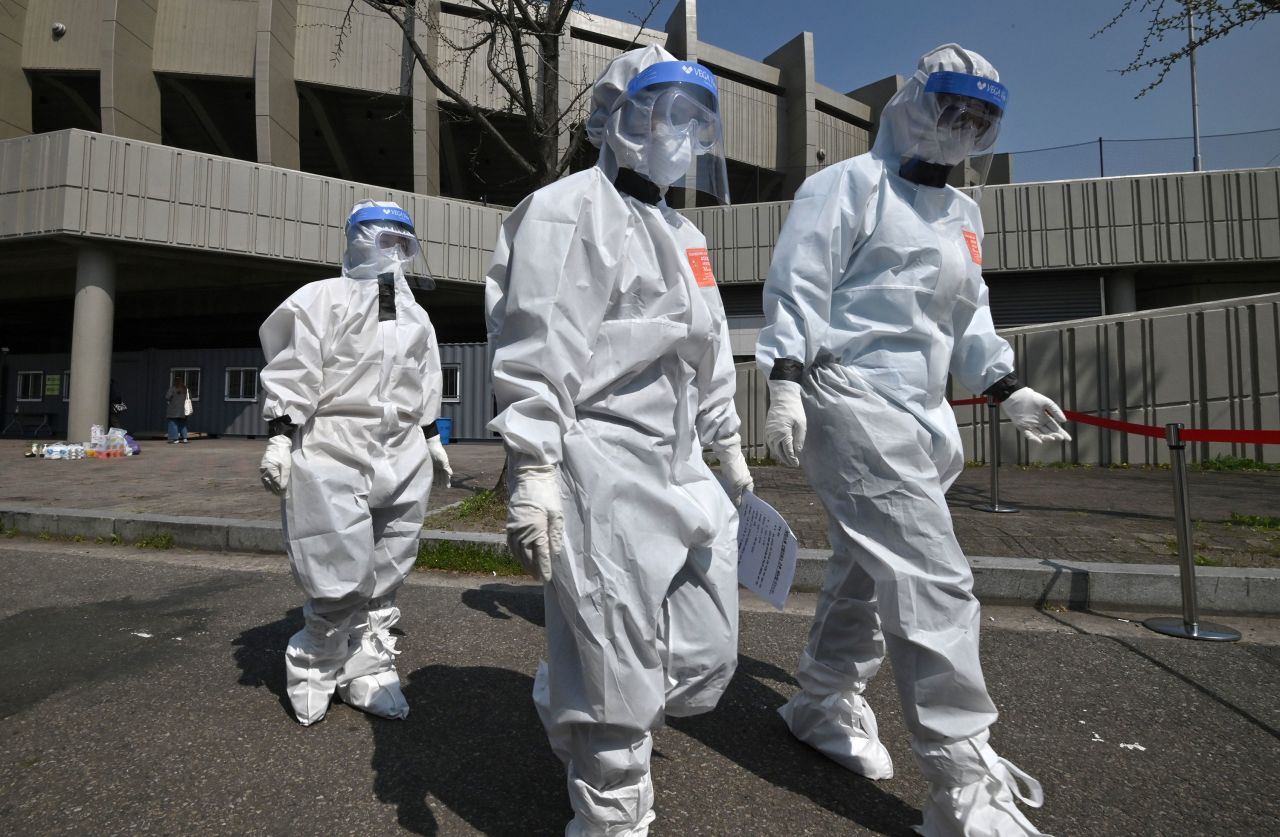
(242, 384)
(30, 386)
(66, 384)
(452, 375)
(189, 375)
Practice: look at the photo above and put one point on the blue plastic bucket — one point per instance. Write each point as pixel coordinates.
(445, 426)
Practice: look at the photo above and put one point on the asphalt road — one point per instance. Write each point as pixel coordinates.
(143, 693)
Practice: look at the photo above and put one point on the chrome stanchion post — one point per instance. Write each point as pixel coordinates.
(1189, 626)
(995, 506)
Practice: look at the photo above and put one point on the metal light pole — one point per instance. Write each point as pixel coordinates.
(1195, 96)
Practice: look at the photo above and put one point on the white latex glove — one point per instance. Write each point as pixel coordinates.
(784, 426)
(733, 467)
(535, 519)
(1036, 416)
(440, 459)
(274, 468)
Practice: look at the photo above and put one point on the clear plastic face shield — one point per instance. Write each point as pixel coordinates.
(668, 129)
(380, 240)
(965, 111)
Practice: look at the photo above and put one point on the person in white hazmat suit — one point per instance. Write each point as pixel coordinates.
(351, 392)
(612, 370)
(875, 294)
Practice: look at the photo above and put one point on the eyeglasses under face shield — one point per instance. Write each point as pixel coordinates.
(967, 108)
(674, 109)
(671, 114)
(384, 229)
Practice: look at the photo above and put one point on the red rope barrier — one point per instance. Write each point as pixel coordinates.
(1112, 424)
(1241, 437)
(1235, 437)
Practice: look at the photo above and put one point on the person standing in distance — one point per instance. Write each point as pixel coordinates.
(351, 393)
(612, 370)
(874, 296)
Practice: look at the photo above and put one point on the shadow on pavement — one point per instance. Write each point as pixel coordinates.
(502, 601)
(54, 648)
(1169, 668)
(772, 753)
(473, 744)
(260, 655)
(769, 752)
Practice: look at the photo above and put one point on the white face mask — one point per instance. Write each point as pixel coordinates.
(669, 155)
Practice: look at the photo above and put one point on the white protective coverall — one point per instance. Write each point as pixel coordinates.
(612, 364)
(352, 364)
(875, 294)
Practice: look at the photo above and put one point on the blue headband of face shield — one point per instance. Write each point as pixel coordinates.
(380, 213)
(666, 72)
(963, 84)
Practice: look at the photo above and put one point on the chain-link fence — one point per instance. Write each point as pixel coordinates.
(1163, 155)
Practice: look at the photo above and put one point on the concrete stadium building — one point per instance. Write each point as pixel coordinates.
(171, 169)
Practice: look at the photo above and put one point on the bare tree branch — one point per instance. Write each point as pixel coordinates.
(518, 44)
(1214, 19)
(425, 62)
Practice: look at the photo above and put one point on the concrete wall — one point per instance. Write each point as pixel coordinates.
(1211, 218)
(79, 49)
(741, 238)
(1212, 366)
(15, 92)
(371, 52)
(206, 37)
(86, 184)
(1204, 217)
(768, 107)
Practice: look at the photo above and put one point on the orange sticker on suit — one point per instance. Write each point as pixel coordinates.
(975, 251)
(700, 262)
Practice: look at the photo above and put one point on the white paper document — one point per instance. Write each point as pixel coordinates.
(766, 551)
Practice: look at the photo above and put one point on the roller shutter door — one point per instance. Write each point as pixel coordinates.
(1028, 300)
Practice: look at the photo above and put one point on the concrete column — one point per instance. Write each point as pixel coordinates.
(1121, 292)
(875, 96)
(91, 334)
(130, 93)
(15, 90)
(682, 31)
(799, 131)
(426, 110)
(275, 97)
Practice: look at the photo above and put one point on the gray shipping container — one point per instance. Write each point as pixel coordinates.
(224, 390)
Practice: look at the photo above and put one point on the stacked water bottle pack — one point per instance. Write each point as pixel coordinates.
(112, 444)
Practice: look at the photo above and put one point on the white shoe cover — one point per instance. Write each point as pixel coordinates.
(985, 808)
(311, 663)
(368, 681)
(843, 728)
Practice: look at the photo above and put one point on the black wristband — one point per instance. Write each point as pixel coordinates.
(281, 426)
(430, 430)
(786, 369)
(1004, 387)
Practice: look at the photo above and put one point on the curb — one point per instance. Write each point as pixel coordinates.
(1016, 581)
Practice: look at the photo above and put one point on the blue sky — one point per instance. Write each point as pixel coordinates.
(1063, 85)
